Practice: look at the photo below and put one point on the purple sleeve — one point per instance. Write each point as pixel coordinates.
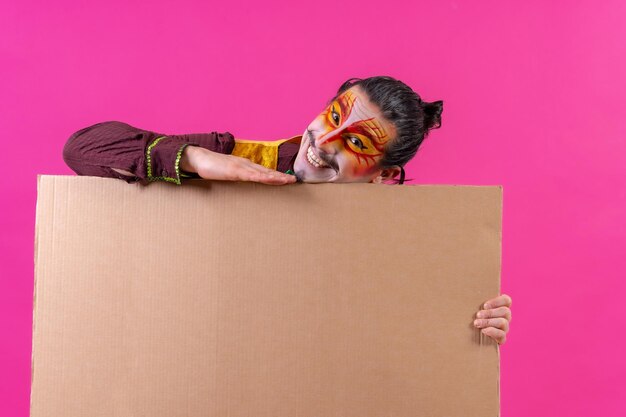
(149, 156)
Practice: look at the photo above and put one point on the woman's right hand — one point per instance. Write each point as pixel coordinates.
(217, 166)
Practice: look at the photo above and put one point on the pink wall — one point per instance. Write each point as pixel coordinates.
(534, 100)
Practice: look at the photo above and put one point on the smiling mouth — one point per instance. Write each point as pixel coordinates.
(315, 160)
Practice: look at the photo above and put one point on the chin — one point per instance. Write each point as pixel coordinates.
(311, 174)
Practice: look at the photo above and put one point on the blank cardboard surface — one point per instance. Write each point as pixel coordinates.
(240, 299)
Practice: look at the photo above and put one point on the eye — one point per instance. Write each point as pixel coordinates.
(335, 116)
(357, 142)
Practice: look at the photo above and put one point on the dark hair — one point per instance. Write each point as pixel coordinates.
(400, 105)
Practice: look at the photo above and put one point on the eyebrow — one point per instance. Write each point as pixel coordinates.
(343, 108)
(377, 129)
(346, 102)
(367, 130)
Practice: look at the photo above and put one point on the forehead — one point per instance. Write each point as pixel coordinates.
(360, 108)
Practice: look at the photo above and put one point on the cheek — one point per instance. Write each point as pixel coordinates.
(359, 171)
(353, 166)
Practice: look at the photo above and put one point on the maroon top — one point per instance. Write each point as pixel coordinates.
(150, 156)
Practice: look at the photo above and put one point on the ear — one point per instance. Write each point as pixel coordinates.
(387, 174)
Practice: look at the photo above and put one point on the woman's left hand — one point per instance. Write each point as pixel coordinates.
(495, 318)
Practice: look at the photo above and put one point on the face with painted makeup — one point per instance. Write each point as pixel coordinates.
(346, 142)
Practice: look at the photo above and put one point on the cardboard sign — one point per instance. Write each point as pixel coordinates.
(239, 299)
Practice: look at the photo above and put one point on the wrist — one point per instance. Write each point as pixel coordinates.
(188, 159)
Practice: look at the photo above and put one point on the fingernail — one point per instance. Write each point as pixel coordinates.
(480, 314)
(476, 323)
(487, 305)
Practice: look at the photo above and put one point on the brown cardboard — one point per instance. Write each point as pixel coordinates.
(240, 299)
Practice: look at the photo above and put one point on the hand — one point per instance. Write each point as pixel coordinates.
(494, 320)
(216, 166)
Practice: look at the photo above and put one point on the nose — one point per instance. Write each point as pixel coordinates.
(325, 140)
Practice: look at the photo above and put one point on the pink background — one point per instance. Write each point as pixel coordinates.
(534, 100)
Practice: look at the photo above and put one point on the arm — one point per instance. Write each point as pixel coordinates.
(117, 150)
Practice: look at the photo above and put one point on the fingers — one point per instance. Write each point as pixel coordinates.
(495, 319)
(496, 334)
(247, 170)
(502, 300)
(499, 323)
(265, 177)
(495, 312)
(268, 176)
(271, 179)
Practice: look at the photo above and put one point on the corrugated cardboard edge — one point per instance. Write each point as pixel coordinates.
(38, 214)
(486, 340)
(501, 211)
(36, 253)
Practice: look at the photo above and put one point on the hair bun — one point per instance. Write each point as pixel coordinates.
(432, 111)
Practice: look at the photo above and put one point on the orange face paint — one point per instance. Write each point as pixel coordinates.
(364, 139)
(349, 136)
